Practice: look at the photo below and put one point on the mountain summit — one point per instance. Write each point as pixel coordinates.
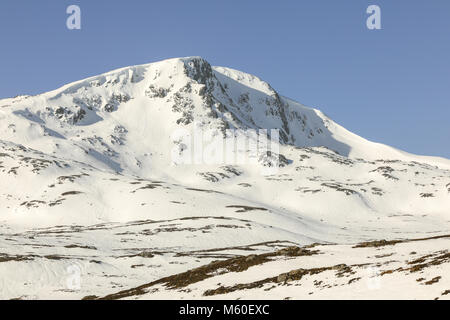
(153, 100)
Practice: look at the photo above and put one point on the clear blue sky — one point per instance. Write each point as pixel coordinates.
(389, 85)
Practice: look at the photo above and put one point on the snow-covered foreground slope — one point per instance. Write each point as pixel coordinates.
(106, 176)
(408, 269)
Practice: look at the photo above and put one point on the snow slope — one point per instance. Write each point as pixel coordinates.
(410, 269)
(80, 162)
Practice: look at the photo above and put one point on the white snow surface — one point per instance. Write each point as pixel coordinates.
(87, 178)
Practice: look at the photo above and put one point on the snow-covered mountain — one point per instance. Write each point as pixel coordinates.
(89, 177)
